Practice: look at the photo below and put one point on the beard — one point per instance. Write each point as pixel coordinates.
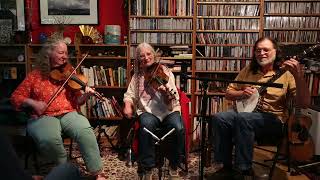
(266, 61)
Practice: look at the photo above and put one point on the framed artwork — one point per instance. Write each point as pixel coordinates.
(21, 24)
(68, 11)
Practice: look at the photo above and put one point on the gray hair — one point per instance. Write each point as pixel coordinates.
(42, 61)
(144, 45)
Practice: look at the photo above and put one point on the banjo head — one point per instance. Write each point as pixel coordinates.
(248, 105)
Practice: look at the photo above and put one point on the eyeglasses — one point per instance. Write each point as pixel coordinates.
(263, 50)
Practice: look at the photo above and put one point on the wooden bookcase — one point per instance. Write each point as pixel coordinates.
(13, 69)
(14, 66)
(225, 35)
(106, 68)
(168, 27)
(296, 25)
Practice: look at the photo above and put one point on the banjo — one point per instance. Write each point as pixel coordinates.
(253, 103)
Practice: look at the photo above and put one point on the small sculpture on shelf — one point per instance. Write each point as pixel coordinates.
(90, 35)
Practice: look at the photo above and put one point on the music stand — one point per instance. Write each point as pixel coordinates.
(204, 102)
(158, 148)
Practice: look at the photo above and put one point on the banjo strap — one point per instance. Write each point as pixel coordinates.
(263, 89)
(277, 75)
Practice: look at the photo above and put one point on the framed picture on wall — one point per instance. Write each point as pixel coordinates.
(21, 24)
(68, 11)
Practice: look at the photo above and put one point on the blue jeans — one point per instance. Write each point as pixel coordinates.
(46, 132)
(240, 129)
(146, 157)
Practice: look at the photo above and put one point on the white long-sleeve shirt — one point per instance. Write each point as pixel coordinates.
(146, 99)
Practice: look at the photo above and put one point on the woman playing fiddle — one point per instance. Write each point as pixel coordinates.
(48, 122)
(151, 94)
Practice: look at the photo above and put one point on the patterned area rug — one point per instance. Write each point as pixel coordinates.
(114, 168)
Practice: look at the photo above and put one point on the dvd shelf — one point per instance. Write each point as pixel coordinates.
(168, 26)
(225, 35)
(292, 22)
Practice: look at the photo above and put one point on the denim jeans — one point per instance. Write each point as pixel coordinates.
(239, 129)
(146, 157)
(46, 132)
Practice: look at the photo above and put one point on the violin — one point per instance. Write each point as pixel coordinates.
(76, 81)
(155, 77)
(67, 74)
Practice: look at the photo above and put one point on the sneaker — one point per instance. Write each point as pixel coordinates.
(173, 174)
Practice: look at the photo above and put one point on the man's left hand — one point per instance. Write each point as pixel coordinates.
(294, 67)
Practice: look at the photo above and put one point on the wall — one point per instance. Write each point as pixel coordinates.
(110, 12)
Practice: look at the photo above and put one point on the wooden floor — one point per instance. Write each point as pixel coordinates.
(280, 170)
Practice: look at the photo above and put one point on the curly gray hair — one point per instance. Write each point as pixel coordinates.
(42, 61)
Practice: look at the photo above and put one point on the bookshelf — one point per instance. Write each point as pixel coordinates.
(296, 25)
(292, 22)
(225, 35)
(168, 27)
(106, 68)
(13, 68)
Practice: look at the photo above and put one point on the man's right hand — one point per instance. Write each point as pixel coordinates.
(247, 92)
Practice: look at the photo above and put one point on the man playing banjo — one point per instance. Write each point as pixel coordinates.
(270, 111)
